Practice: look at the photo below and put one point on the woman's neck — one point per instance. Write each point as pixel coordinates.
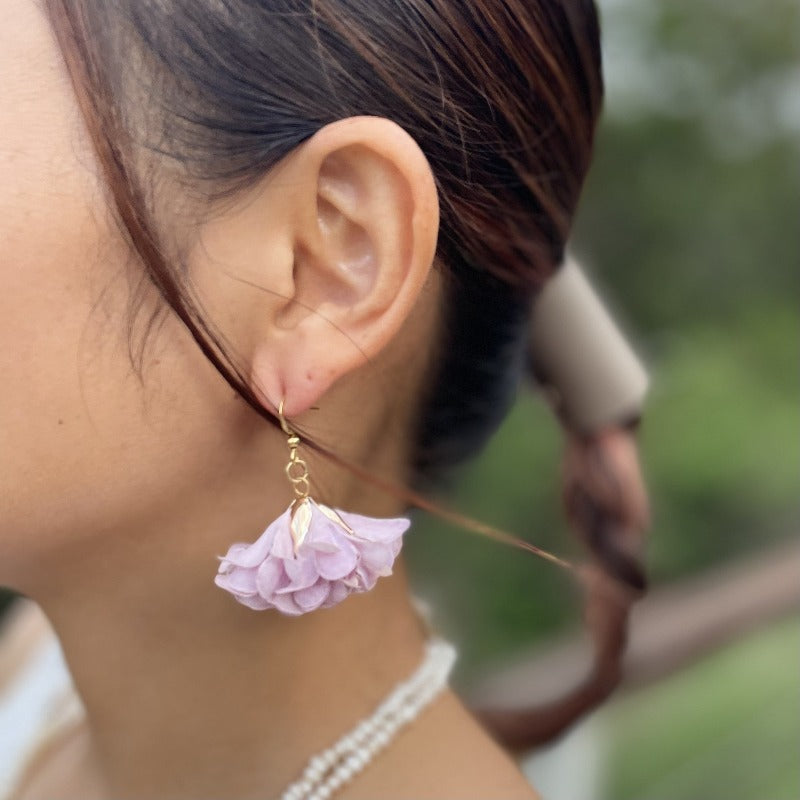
(207, 699)
(191, 695)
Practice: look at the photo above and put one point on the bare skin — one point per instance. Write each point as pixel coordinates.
(118, 494)
(422, 762)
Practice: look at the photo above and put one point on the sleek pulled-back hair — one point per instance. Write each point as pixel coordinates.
(502, 97)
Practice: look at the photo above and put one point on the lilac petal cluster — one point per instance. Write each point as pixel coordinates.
(311, 559)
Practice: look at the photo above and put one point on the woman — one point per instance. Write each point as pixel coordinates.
(335, 215)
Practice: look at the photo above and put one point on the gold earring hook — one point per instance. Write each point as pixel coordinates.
(296, 470)
(284, 424)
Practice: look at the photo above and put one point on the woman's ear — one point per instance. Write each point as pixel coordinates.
(360, 216)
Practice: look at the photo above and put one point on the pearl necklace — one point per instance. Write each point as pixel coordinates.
(331, 769)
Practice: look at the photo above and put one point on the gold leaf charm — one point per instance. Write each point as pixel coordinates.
(301, 522)
(334, 517)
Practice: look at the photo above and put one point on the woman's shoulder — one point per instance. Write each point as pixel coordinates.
(37, 701)
(22, 630)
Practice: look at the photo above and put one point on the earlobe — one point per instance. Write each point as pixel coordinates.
(363, 248)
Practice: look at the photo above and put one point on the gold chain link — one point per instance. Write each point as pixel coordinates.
(296, 470)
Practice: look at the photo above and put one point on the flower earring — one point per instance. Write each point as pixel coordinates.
(311, 556)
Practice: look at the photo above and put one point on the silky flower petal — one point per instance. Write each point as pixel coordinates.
(268, 577)
(283, 544)
(256, 602)
(323, 534)
(253, 554)
(376, 556)
(375, 530)
(285, 603)
(310, 598)
(338, 593)
(368, 579)
(222, 580)
(333, 566)
(225, 566)
(243, 581)
(233, 551)
(301, 571)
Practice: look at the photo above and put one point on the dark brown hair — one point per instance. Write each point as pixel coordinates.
(502, 97)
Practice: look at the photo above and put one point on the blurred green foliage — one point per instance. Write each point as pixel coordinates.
(689, 227)
(727, 728)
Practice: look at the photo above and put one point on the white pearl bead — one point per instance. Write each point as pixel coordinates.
(313, 775)
(316, 763)
(359, 730)
(354, 763)
(382, 737)
(369, 726)
(334, 782)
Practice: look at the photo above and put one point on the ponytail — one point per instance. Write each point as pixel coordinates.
(603, 493)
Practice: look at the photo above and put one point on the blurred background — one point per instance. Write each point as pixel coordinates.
(689, 228)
